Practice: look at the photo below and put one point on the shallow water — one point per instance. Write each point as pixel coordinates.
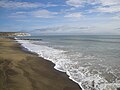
(91, 61)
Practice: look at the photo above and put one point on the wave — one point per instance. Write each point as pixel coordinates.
(62, 63)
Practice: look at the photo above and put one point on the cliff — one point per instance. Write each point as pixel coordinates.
(14, 34)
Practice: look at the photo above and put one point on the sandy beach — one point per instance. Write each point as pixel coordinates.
(23, 70)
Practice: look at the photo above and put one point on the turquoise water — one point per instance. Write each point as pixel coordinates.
(85, 58)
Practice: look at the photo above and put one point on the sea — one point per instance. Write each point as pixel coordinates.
(92, 61)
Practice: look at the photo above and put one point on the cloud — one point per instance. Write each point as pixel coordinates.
(109, 6)
(79, 3)
(117, 28)
(18, 15)
(34, 14)
(15, 4)
(117, 17)
(62, 30)
(73, 15)
(109, 2)
(109, 9)
(75, 3)
(51, 5)
(43, 14)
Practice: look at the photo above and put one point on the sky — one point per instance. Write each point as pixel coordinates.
(60, 16)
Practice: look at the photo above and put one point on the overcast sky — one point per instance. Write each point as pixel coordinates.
(61, 16)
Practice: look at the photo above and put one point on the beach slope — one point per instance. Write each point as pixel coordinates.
(23, 70)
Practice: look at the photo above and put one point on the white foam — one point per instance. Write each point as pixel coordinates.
(62, 63)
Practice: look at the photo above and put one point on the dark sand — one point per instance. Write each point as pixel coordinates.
(22, 70)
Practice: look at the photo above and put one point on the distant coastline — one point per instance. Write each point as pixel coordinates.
(14, 34)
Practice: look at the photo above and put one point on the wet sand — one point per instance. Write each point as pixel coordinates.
(23, 70)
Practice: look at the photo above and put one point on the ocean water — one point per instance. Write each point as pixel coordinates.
(92, 61)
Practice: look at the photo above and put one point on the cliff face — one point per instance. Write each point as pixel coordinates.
(13, 34)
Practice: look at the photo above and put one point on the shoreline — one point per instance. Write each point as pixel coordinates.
(53, 64)
(38, 72)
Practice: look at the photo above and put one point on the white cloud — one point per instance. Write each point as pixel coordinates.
(109, 2)
(75, 3)
(18, 15)
(14, 4)
(64, 29)
(34, 14)
(43, 14)
(109, 6)
(102, 5)
(79, 3)
(74, 15)
(117, 17)
(51, 5)
(110, 9)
